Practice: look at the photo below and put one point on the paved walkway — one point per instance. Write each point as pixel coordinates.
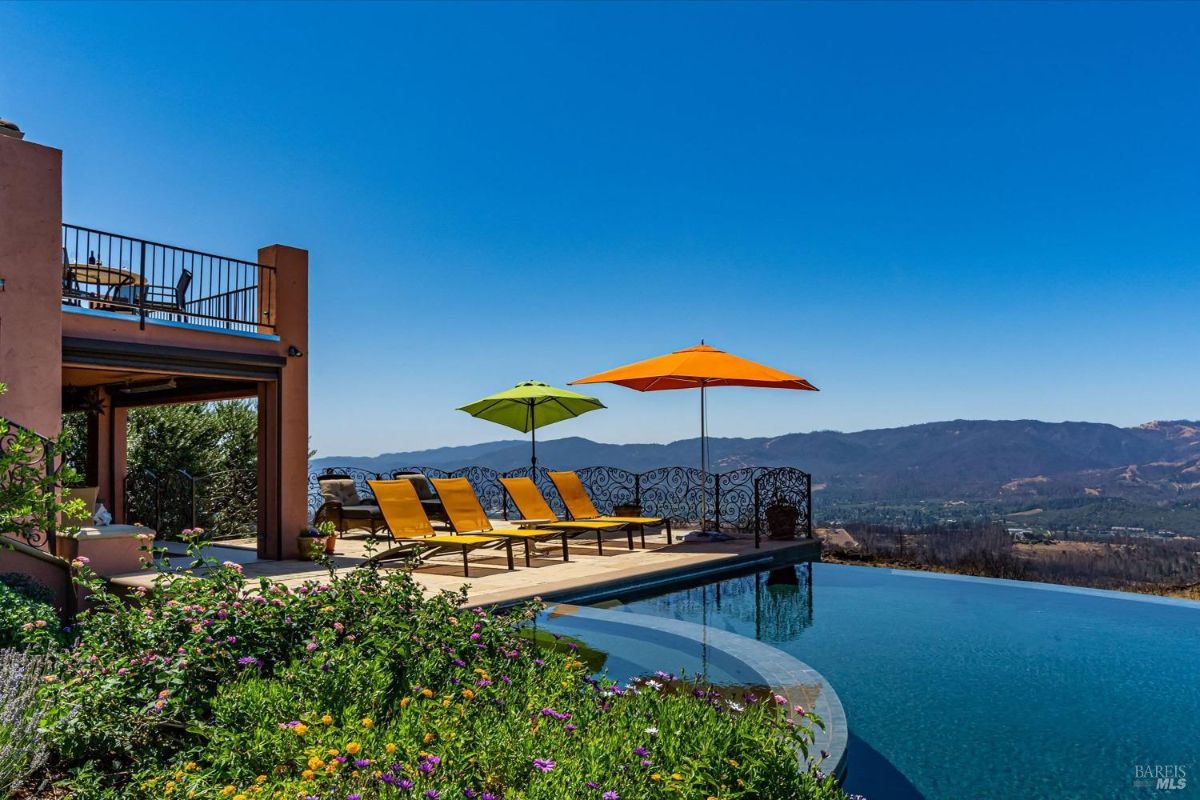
(548, 576)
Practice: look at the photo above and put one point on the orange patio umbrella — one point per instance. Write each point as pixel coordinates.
(701, 366)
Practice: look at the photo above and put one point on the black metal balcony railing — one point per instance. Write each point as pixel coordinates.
(736, 500)
(224, 504)
(149, 280)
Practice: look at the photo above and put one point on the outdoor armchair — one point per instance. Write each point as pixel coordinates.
(409, 527)
(344, 507)
(534, 510)
(467, 516)
(579, 505)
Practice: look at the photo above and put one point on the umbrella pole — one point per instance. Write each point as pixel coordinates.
(703, 467)
(533, 435)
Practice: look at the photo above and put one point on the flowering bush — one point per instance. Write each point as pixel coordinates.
(363, 688)
(27, 620)
(22, 746)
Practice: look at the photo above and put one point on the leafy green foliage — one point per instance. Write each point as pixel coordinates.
(363, 686)
(199, 438)
(27, 619)
(29, 501)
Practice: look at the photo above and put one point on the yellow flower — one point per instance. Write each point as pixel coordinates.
(446, 703)
(656, 777)
(427, 692)
(367, 722)
(391, 748)
(261, 779)
(327, 720)
(229, 790)
(404, 701)
(333, 751)
(240, 797)
(315, 763)
(467, 693)
(191, 765)
(428, 738)
(308, 774)
(300, 729)
(675, 776)
(353, 747)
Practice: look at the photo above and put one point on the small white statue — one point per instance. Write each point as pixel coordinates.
(102, 516)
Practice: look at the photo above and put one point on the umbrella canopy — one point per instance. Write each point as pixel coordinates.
(699, 367)
(531, 405)
(694, 367)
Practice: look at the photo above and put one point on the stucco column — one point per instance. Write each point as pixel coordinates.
(284, 499)
(31, 295)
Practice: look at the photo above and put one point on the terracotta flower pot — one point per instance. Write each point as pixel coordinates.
(330, 544)
(310, 547)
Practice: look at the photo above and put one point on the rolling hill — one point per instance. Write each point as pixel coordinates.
(1014, 464)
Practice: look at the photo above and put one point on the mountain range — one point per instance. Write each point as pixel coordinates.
(1012, 463)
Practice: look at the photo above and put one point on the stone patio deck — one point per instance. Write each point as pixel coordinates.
(587, 574)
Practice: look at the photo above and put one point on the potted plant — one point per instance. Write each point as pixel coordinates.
(781, 519)
(329, 531)
(311, 543)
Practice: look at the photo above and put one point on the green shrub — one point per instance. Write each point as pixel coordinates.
(27, 619)
(362, 686)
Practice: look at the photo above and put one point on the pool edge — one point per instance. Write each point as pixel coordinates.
(777, 669)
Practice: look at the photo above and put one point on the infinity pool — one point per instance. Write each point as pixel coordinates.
(970, 688)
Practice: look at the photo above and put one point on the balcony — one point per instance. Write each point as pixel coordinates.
(110, 274)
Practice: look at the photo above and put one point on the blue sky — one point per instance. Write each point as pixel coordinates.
(930, 211)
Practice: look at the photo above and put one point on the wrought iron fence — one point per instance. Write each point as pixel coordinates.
(109, 272)
(32, 465)
(224, 504)
(736, 500)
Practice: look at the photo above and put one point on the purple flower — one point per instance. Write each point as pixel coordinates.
(361, 763)
(489, 796)
(544, 764)
(592, 785)
(641, 751)
(470, 794)
(249, 661)
(404, 783)
(611, 794)
(355, 796)
(432, 794)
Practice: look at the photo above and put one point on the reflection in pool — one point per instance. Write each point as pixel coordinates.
(968, 688)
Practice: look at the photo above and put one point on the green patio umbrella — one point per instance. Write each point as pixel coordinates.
(531, 405)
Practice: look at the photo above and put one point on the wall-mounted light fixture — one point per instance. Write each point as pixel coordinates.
(1, 284)
(294, 351)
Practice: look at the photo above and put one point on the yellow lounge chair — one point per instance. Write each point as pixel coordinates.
(580, 507)
(536, 511)
(409, 527)
(467, 516)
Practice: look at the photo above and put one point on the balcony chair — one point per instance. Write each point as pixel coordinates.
(409, 527)
(344, 507)
(534, 510)
(579, 505)
(71, 292)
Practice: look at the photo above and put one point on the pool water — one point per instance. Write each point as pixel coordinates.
(970, 688)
